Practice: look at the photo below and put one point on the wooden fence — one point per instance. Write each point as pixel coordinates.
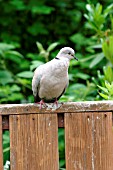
(34, 136)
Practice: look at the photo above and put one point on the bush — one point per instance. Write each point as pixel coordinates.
(51, 25)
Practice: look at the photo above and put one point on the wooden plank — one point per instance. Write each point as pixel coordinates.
(60, 120)
(89, 141)
(5, 121)
(1, 151)
(9, 109)
(33, 142)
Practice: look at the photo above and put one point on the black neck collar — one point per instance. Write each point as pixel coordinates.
(57, 58)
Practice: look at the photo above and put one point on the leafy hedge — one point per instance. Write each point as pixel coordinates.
(32, 32)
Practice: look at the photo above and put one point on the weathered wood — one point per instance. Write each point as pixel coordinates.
(61, 120)
(1, 151)
(33, 142)
(89, 141)
(5, 121)
(9, 109)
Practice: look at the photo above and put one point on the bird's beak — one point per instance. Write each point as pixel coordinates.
(75, 58)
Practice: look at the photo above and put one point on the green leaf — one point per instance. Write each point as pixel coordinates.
(108, 72)
(15, 53)
(89, 8)
(82, 76)
(52, 46)
(62, 163)
(15, 88)
(78, 38)
(109, 87)
(95, 16)
(103, 88)
(6, 149)
(96, 46)
(104, 96)
(40, 47)
(25, 74)
(97, 59)
(35, 64)
(5, 77)
(107, 48)
(19, 5)
(42, 9)
(13, 56)
(5, 47)
(108, 10)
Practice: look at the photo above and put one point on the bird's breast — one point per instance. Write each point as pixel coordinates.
(52, 87)
(55, 79)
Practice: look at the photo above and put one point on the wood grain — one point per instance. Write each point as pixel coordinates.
(5, 121)
(88, 138)
(34, 143)
(78, 107)
(1, 151)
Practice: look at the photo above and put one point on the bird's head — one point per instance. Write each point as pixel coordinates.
(67, 52)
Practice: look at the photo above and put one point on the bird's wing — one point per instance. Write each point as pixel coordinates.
(63, 91)
(36, 83)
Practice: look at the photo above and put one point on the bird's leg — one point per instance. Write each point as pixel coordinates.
(56, 102)
(53, 106)
(56, 105)
(42, 103)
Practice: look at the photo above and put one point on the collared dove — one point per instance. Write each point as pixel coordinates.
(50, 80)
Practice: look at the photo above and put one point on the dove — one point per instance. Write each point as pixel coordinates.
(50, 80)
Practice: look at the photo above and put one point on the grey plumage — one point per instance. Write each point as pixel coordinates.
(51, 79)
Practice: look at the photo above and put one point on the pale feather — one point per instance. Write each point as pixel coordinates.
(50, 79)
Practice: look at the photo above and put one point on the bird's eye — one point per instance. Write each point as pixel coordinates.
(69, 53)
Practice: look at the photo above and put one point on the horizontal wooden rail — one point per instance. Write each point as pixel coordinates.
(8, 109)
(5, 121)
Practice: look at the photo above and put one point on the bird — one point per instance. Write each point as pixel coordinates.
(50, 80)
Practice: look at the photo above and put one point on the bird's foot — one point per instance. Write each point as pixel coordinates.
(56, 105)
(42, 104)
(53, 106)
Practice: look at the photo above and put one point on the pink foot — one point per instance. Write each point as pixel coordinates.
(56, 103)
(42, 103)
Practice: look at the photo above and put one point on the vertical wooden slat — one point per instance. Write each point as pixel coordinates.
(34, 142)
(88, 140)
(1, 151)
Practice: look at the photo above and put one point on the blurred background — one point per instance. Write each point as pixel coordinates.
(32, 32)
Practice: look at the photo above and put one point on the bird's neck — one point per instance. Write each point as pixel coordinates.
(64, 62)
(62, 58)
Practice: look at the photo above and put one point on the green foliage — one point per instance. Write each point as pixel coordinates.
(61, 147)
(45, 53)
(97, 16)
(6, 146)
(108, 74)
(50, 25)
(107, 47)
(10, 90)
(7, 165)
(106, 82)
(107, 91)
